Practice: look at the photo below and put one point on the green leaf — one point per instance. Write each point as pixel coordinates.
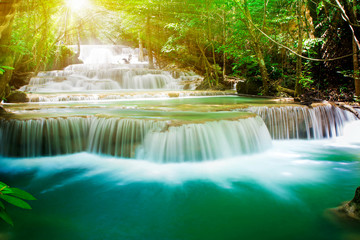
(15, 201)
(21, 194)
(5, 189)
(6, 217)
(2, 206)
(7, 67)
(2, 184)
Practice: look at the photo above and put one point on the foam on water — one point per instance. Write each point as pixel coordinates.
(287, 163)
(352, 132)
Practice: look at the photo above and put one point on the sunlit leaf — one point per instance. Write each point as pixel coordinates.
(16, 201)
(21, 194)
(7, 67)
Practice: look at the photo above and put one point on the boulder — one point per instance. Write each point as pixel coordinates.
(20, 79)
(17, 97)
(174, 94)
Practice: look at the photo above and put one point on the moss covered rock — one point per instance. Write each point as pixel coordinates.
(349, 210)
(17, 97)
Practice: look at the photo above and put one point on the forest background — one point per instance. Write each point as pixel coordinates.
(302, 48)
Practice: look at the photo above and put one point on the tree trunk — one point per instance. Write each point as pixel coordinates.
(299, 50)
(262, 66)
(356, 59)
(149, 47)
(224, 43)
(7, 13)
(356, 69)
(141, 50)
(257, 48)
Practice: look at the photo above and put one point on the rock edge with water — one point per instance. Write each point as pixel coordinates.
(349, 210)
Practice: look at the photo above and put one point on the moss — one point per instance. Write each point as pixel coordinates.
(349, 211)
(17, 97)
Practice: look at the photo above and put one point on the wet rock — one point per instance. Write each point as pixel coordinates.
(172, 95)
(17, 97)
(187, 86)
(349, 210)
(220, 87)
(20, 79)
(283, 95)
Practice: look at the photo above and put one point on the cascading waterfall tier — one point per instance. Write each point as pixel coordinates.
(209, 141)
(56, 136)
(104, 69)
(159, 141)
(295, 122)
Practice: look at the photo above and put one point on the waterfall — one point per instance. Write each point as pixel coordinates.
(109, 68)
(208, 141)
(298, 122)
(158, 141)
(119, 137)
(84, 78)
(42, 137)
(55, 136)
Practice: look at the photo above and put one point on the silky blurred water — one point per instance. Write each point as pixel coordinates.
(281, 193)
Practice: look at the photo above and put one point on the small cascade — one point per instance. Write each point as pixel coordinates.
(295, 122)
(150, 81)
(43, 137)
(119, 137)
(208, 141)
(157, 141)
(109, 68)
(56, 136)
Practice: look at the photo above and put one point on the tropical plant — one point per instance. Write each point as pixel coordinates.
(4, 68)
(15, 197)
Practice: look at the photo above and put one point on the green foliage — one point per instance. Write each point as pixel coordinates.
(3, 68)
(306, 81)
(212, 37)
(15, 197)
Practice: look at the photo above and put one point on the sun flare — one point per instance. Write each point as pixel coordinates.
(77, 5)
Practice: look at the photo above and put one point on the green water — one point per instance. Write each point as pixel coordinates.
(280, 194)
(191, 103)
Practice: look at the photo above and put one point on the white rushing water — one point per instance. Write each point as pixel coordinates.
(208, 141)
(109, 68)
(114, 72)
(295, 122)
(285, 163)
(133, 138)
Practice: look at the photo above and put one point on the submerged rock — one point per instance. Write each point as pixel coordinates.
(349, 210)
(17, 97)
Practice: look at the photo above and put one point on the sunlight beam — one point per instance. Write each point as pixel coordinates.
(77, 5)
